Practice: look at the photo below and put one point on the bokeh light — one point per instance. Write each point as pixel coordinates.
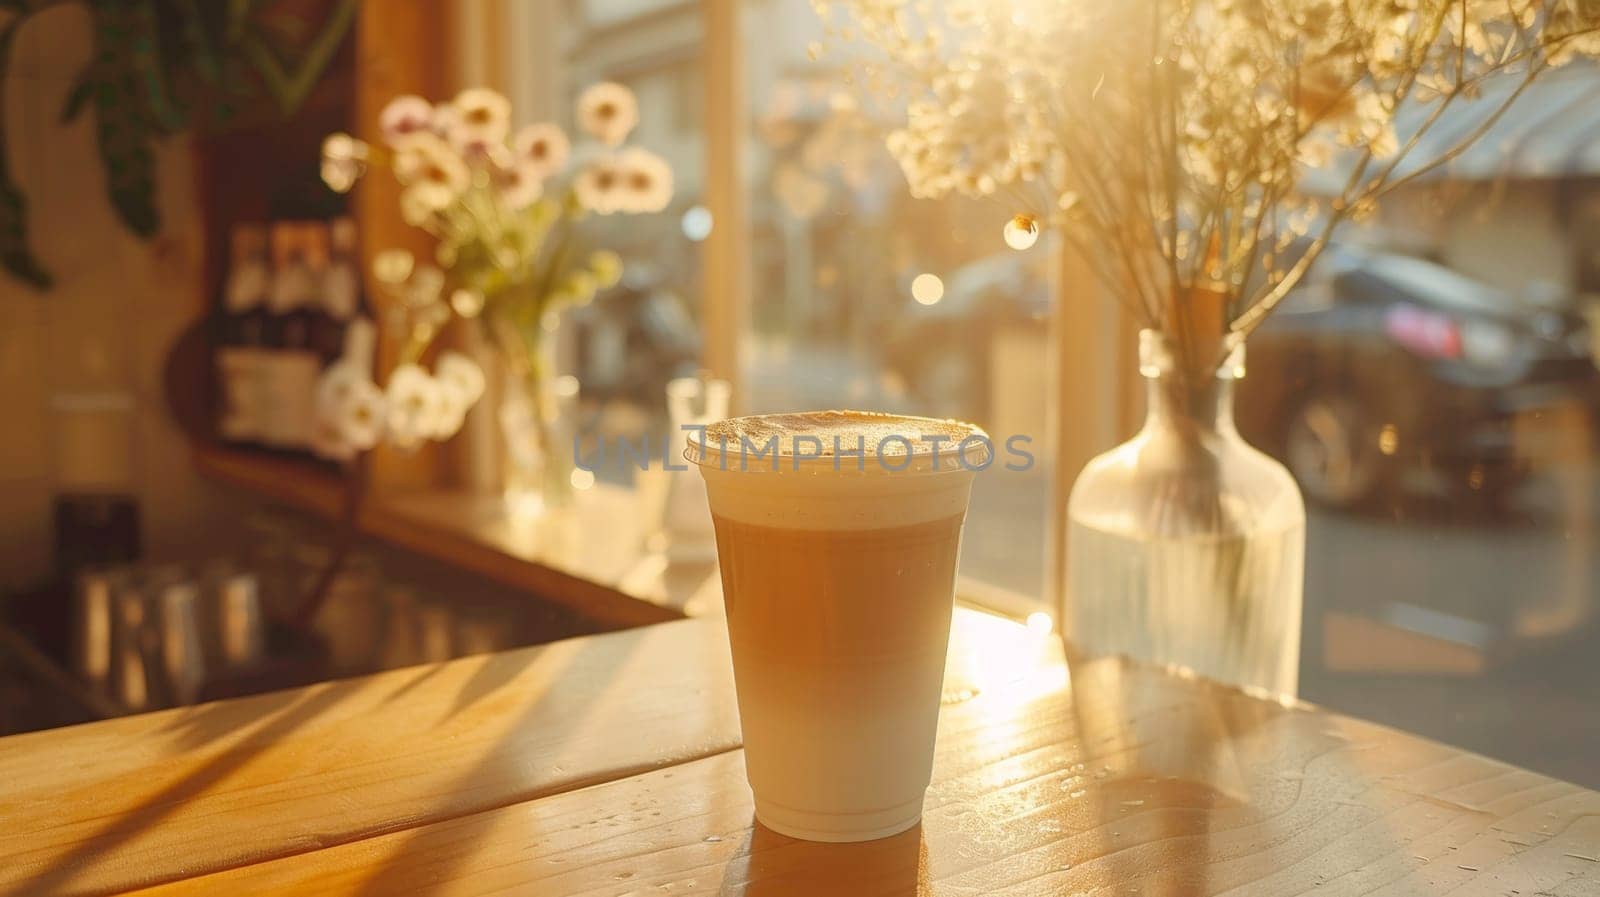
(1021, 232)
(927, 289)
(697, 223)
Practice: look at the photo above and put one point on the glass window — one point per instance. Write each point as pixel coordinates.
(863, 297)
(1432, 387)
(628, 344)
(1434, 393)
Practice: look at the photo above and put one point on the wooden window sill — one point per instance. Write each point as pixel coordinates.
(591, 556)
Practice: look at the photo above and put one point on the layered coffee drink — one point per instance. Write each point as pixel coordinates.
(838, 534)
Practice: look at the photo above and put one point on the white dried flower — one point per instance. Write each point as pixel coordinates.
(448, 417)
(478, 116)
(608, 112)
(467, 303)
(344, 160)
(349, 407)
(432, 171)
(646, 181)
(414, 402)
(392, 266)
(1200, 116)
(461, 375)
(543, 146)
(519, 185)
(424, 286)
(599, 186)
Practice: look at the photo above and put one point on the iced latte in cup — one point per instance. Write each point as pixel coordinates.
(837, 535)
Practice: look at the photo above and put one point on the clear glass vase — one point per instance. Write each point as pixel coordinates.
(536, 415)
(1185, 544)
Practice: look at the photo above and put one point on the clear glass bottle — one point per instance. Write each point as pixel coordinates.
(1185, 544)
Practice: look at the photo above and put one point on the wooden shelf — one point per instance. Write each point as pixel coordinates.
(303, 485)
(592, 556)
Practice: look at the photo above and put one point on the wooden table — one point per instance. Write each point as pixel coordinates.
(610, 765)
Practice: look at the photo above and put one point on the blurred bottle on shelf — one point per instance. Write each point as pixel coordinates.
(300, 255)
(241, 334)
(341, 290)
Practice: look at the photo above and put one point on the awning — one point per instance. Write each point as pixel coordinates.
(1551, 131)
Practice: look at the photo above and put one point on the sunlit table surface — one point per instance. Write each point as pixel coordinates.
(610, 765)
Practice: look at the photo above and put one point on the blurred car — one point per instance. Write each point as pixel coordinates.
(941, 351)
(1381, 364)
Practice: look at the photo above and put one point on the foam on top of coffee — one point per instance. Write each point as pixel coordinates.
(893, 439)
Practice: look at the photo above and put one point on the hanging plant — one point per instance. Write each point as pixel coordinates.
(165, 67)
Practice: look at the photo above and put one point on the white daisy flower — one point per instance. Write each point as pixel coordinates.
(434, 174)
(543, 146)
(403, 116)
(448, 416)
(344, 160)
(478, 115)
(599, 186)
(361, 419)
(461, 376)
(519, 185)
(417, 208)
(608, 111)
(646, 181)
(413, 401)
(488, 154)
(335, 386)
(392, 266)
(349, 408)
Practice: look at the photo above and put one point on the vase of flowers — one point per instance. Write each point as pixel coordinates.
(505, 208)
(1165, 141)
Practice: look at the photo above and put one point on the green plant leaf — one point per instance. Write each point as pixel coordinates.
(15, 255)
(77, 99)
(289, 86)
(14, 252)
(141, 44)
(124, 131)
(200, 50)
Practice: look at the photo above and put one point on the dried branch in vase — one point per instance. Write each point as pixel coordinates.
(1167, 139)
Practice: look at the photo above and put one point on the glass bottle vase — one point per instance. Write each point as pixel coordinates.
(535, 415)
(1185, 544)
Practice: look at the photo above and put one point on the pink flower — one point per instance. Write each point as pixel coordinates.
(406, 114)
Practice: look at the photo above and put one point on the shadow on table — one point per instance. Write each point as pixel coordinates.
(774, 865)
(400, 874)
(299, 709)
